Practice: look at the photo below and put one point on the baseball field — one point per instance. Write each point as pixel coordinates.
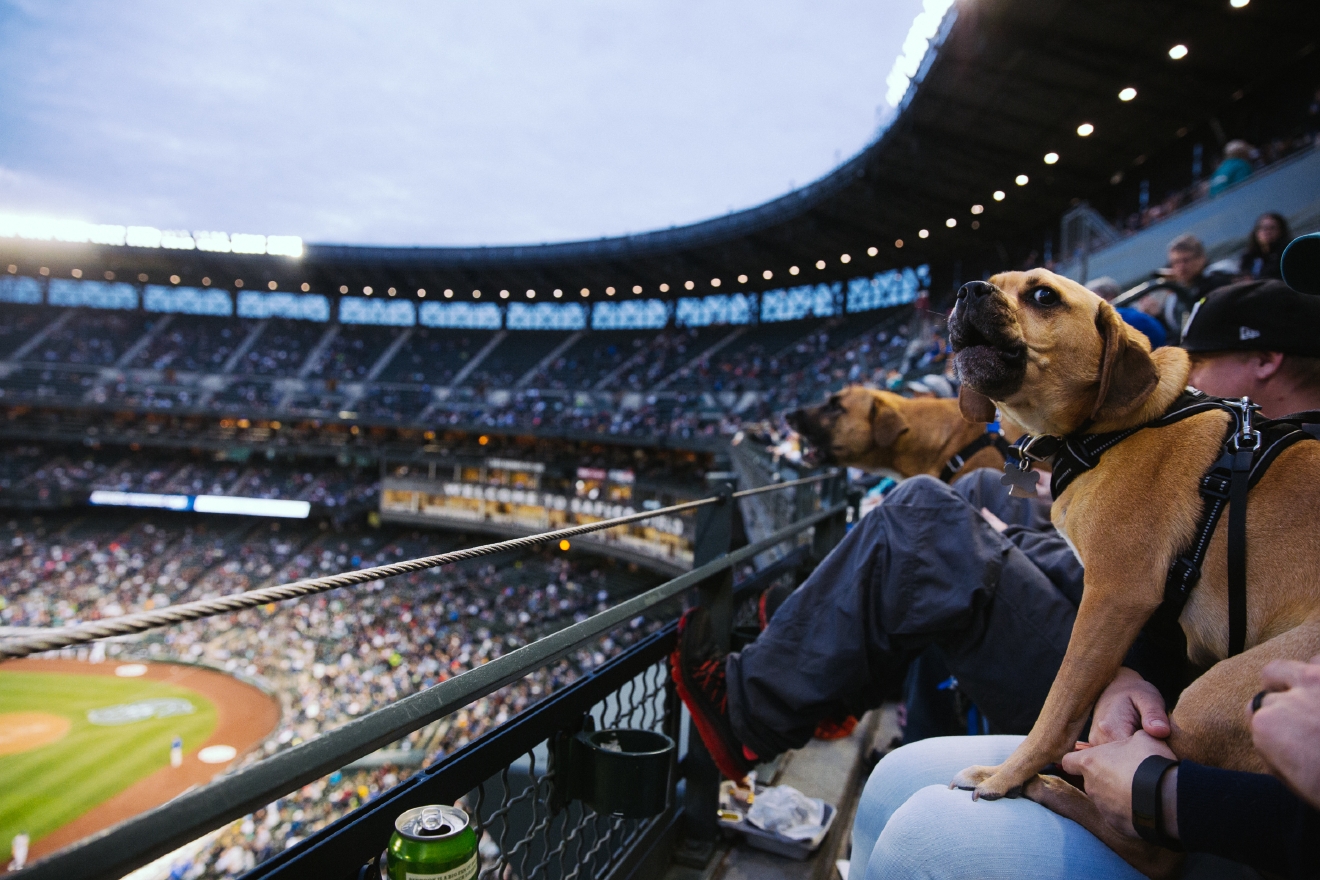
(83, 746)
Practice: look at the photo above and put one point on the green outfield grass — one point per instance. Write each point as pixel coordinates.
(44, 788)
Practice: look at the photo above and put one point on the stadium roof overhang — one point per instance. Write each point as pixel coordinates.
(1005, 83)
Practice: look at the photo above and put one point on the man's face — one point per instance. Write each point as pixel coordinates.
(1224, 374)
(1185, 266)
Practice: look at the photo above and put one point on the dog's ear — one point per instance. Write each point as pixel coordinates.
(975, 406)
(887, 423)
(1127, 373)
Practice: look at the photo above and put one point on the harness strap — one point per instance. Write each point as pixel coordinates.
(955, 464)
(1237, 551)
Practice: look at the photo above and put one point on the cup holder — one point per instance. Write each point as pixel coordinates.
(620, 771)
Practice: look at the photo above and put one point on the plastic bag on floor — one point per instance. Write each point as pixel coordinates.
(788, 812)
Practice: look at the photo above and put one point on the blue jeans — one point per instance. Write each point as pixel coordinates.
(910, 824)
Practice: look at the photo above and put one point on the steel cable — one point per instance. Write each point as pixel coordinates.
(130, 624)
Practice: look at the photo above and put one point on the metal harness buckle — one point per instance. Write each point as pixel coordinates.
(1246, 437)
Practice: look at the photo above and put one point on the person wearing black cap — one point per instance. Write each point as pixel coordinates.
(1257, 339)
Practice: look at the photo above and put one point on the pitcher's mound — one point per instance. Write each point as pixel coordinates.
(22, 731)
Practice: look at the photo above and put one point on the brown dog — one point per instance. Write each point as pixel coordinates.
(1056, 357)
(869, 429)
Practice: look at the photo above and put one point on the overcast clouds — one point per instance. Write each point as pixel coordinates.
(432, 122)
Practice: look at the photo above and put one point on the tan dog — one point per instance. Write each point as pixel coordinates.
(873, 430)
(1055, 356)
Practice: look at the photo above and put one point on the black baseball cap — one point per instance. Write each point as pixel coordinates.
(1300, 264)
(1255, 316)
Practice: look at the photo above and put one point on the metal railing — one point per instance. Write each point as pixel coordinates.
(509, 801)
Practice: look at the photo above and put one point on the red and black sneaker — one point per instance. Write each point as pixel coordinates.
(697, 666)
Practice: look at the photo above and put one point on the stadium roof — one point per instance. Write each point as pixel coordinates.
(1005, 83)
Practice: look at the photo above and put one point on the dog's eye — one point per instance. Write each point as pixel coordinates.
(1045, 297)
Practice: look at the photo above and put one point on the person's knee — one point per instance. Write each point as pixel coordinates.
(917, 835)
(921, 488)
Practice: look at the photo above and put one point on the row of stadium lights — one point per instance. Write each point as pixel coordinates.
(1177, 52)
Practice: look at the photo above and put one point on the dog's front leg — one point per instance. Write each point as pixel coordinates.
(1107, 624)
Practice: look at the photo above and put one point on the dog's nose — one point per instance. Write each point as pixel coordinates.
(974, 290)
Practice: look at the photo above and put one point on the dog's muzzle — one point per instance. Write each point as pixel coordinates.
(990, 357)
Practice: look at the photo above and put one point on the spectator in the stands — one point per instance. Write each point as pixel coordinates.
(1154, 330)
(1187, 269)
(1235, 168)
(1269, 237)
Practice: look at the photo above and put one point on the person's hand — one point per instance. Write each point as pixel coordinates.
(1286, 727)
(1129, 704)
(1108, 771)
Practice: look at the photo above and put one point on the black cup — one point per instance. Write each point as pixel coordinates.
(623, 772)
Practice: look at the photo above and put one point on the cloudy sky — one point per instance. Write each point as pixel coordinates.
(433, 122)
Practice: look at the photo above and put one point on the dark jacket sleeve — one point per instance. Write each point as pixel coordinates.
(1049, 551)
(1247, 817)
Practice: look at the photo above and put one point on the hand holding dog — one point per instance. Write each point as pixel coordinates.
(1129, 704)
(1286, 727)
(1108, 771)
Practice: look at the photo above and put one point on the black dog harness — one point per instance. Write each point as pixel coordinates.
(1249, 448)
(991, 437)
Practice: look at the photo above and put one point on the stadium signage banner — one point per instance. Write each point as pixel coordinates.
(275, 507)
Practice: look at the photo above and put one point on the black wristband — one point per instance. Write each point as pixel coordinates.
(1147, 811)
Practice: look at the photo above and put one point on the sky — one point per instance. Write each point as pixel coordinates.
(437, 122)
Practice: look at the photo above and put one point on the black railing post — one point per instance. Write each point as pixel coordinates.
(701, 792)
(829, 533)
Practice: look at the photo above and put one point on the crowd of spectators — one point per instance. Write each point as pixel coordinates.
(328, 658)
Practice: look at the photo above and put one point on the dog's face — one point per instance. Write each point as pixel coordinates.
(1050, 352)
(850, 427)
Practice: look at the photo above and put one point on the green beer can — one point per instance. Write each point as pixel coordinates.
(431, 843)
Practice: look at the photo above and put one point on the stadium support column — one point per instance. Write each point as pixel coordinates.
(701, 794)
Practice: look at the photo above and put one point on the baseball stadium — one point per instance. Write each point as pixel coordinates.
(662, 554)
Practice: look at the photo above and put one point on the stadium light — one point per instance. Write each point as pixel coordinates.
(1022, 180)
(531, 294)
(306, 287)
(820, 264)
(898, 243)
(585, 292)
(391, 291)
(923, 30)
(767, 274)
(1178, 52)
(924, 233)
(637, 288)
(558, 293)
(845, 258)
(1086, 129)
(714, 282)
(483, 440)
(504, 294)
(1127, 94)
(793, 270)
(476, 294)
(564, 545)
(272, 285)
(1051, 158)
(609, 291)
(449, 294)
(77, 273)
(206, 282)
(742, 279)
(872, 251)
(421, 293)
(238, 282)
(978, 209)
(343, 288)
(951, 222)
(999, 195)
(664, 288)
(1238, 4)
(367, 291)
(174, 279)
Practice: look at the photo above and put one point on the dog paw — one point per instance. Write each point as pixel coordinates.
(990, 783)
